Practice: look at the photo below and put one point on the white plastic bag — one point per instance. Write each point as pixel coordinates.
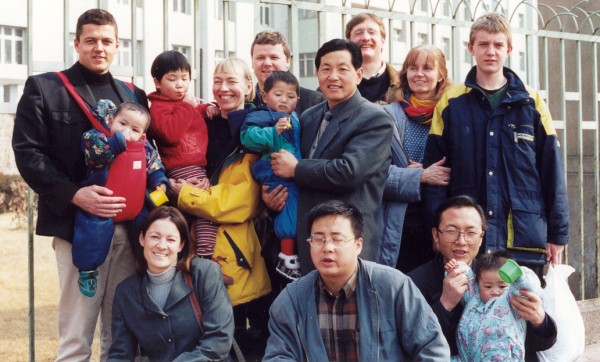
(560, 304)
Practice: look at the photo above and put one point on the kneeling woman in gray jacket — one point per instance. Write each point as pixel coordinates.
(157, 308)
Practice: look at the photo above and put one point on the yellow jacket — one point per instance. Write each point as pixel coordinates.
(233, 203)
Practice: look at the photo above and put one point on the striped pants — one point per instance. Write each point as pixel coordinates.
(205, 231)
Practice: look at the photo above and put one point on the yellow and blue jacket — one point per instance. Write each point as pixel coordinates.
(508, 159)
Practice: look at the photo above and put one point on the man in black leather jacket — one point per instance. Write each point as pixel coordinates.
(46, 141)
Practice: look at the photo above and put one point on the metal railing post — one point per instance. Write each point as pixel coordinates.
(30, 193)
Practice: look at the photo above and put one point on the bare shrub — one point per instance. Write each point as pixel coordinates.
(13, 198)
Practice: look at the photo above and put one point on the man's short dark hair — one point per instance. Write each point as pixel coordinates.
(134, 107)
(457, 202)
(281, 76)
(169, 61)
(96, 17)
(335, 45)
(338, 208)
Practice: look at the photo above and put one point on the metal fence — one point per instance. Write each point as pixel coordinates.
(558, 48)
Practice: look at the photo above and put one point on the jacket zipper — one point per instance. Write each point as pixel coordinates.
(301, 343)
(514, 132)
(378, 322)
(215, 176)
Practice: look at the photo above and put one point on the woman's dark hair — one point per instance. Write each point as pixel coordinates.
(169, 61)
(281, 76)
(338, 208)
(490, 261)
(187, 253)
(335, 45)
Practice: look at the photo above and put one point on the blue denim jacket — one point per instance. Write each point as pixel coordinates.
(402, 186)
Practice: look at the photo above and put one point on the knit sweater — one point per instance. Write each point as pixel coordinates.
(159, 286)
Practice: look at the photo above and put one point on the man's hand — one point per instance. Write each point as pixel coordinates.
(283, 164)
(529, 309)
(554, 253)
(275, 199)
(97, 200)
(456, 284)
(436, 174)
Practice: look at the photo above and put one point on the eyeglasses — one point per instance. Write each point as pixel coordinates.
(452, 235)
(318, 241)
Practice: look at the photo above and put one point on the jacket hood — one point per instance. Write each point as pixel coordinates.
(236, 119)
(155, 96)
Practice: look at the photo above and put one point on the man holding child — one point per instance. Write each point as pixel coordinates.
(46, 141)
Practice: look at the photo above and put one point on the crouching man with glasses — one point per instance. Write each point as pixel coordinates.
(350, 309)
(460, 226)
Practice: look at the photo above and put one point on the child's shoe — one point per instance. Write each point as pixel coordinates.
(288, 266)
(87, 282)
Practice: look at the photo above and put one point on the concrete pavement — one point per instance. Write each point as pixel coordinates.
(591, 353)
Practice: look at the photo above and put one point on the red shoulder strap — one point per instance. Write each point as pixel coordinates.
(71, 89)
(193, 299)
(130, 86)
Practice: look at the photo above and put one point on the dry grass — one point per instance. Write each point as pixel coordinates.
(14, 297)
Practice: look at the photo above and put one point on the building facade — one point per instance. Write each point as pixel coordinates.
(555, 49)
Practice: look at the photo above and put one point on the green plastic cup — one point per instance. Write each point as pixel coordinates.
(510, 271)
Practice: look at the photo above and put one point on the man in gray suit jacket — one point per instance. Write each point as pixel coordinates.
(345, 148)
